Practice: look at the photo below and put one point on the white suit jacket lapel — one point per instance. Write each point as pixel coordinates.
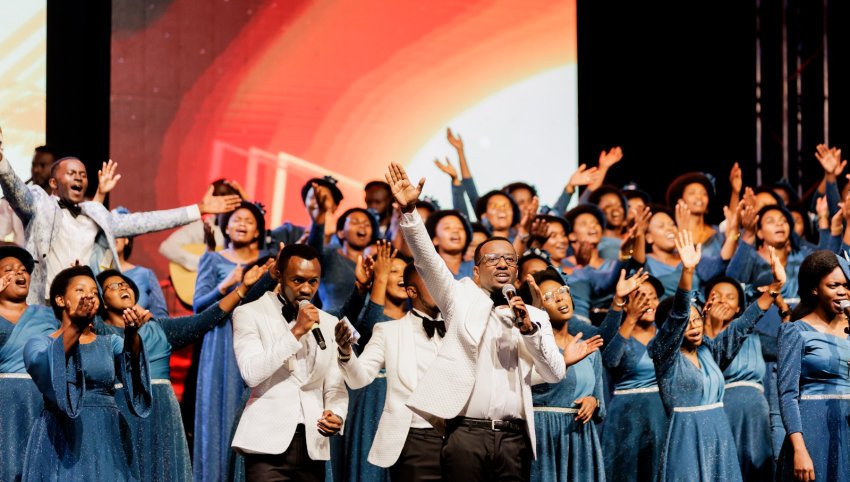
(405, 352)
(322, 357)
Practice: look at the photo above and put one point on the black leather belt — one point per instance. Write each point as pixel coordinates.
(512, 426)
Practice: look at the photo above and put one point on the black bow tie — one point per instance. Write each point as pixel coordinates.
(74, 209)
(431, 326)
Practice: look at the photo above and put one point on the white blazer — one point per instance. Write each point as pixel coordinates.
(445, 389)
(393, 347)
(263, 343)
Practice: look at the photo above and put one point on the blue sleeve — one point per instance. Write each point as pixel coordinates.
(286, 233)
(599, 389)
(135, 376)
(560, 206)
(611, 325)
(186, 330)
(664, 348)
(710, 267)
(471, 191)
(833, 197)
(261, 287)
(835, 244)
(587, 330)
(206, 283)
(59, 377)
(316, 238)
(727, 344)
(612, 355)
(791, 348)
(743, 263)
(352, 307)
(607, 280)
(459, 200)
(156, 300)
(372, 313)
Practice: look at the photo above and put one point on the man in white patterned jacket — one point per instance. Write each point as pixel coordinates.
(61, 227)
(478, 389)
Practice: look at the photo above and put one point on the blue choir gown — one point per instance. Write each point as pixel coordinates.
(814, 397)
(636, 425)
(19, 397)
(568, 449)
(159, 438)
(747, 410)
(700, 445)
(81, 435)
(220, 389)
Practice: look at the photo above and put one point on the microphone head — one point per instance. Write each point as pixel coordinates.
(302, 303)
(509, 291)
(844, 304)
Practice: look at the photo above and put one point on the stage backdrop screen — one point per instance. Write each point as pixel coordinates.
(273, 92)
(23, 69)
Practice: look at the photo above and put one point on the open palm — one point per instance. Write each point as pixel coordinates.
(577, 349)
(405, 193)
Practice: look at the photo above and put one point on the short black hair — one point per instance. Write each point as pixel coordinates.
(58, 162)
(477, 255)
(128, 248)
(45, 149)
(409, 273)
(60, 285)
(303, 251)
(480, 228)
(515, 186)
(379, 184)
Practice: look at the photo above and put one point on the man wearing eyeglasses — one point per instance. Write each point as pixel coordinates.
(478, 388)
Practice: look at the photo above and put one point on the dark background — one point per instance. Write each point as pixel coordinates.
(674, 85)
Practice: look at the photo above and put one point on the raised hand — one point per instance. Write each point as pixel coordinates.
(255, 273)
(584, 253)
(736, 179)
(528, 215)
(627, 286)
(539, 232)
(107, 179)
(536, 293)
(608, 159)
(231, 279)
(343, 334)
(836, 223)
(134, 317)
(364, 273)
(689, 253)
(683, 215)
(830, 159)
(733, 219)
(447, 168)
(584, 176)
(641, 220)
(384, 259)
(638, 304)
(212, 204)
(405, 193)
(576, 350)
(779, 275)
(85, 309)
(454, 140)
(749, 217)
(6, 280)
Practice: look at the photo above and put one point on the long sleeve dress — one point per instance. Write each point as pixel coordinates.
(568, 449)
(159, 439)
(220, 386)
(700, 445)
(747, 410)
(19, 397)
(81, 434)
(814, 399)
(634, 432)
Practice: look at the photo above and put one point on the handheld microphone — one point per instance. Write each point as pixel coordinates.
(510, 292)
(845, 307)
(317, 333)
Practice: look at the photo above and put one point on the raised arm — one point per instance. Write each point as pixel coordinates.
(466, 175)
(361, 371)
(437, 276)
(125, 225)
(22, 198)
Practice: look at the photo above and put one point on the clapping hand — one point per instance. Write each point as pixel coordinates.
(576, 350)
(135, 317)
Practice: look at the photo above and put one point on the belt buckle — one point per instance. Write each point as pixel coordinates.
(493, 425)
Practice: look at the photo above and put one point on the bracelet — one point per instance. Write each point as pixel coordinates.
(773, 294)
(620, 305)
(341, 357)
(240, 295)
(785, 313)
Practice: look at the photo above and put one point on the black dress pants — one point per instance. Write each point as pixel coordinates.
(420, 458)
(476, 454)
(294, 464)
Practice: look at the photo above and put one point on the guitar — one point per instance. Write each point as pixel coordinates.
(182, 279)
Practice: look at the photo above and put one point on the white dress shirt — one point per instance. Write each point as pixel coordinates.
(72, 241)
(426, 352)
(497, 393)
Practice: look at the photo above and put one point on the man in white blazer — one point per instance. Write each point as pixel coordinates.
(294, 384)
(478, 389)
(405, 442)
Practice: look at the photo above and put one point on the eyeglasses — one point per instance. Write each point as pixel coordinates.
(492, 259)
(550, 295)
(117, 286)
